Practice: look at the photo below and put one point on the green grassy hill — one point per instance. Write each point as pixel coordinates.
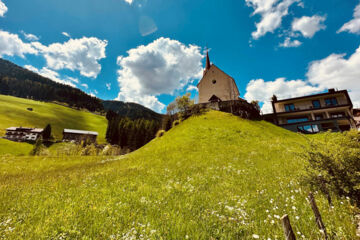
(13, 112)
(214, 176)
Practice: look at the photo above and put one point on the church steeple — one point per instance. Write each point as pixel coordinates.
(208, 64)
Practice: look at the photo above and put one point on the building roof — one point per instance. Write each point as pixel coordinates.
(37, 130)
(80, 132)
(34, 130)
(314, 95)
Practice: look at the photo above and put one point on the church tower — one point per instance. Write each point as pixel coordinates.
(216, 85)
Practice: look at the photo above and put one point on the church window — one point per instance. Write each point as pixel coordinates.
(214, 81)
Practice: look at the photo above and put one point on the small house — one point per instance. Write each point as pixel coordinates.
(23, 134)
(79, 136)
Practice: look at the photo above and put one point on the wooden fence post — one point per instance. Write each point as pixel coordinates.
(288, 231)
(318, 218)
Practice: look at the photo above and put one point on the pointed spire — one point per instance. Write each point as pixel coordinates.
(208, 65)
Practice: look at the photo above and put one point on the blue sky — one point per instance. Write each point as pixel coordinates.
(150, 51)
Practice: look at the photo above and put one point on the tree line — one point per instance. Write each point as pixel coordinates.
(131, 134)
(19, 82)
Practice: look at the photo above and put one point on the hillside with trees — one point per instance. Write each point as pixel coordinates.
(131, 110)
(19, 82)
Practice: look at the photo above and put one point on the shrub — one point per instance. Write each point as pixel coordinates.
(334, 164)
(160, 133)
(175, 123)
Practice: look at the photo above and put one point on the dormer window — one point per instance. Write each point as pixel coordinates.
(214, 81)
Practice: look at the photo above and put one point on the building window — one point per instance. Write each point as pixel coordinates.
(214, 81)
(337, 115)
(316, 104)
(289, 107)
(331, 101)
(319, 117)
(296, 120)
(309, 128)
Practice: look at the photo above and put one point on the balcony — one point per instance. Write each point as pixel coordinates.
(310, 108)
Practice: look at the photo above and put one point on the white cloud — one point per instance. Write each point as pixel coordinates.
(192, 88)
(29, 36)
(84, 85)
(263, 91)
(12, 45)
(52, 75)
(66, 34)
(160, 67)
(353, 26)
(271, 12)
(336, 71)
(3, 9)
(108, 86)
(129, 1)
(308, 26)
(290, 43)
(76, 54)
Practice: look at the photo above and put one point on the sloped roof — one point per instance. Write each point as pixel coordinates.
(80, 132)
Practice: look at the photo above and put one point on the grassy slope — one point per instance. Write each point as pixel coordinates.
(14, 148)
(212, 177)
(13, 113)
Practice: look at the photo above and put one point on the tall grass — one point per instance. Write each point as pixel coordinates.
(212, 177)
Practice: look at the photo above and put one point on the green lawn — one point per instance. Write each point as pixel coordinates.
(14, 148)
(214, 176)
(13, 112)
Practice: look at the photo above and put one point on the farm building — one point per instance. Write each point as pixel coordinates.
(79, 136)
(23, 133)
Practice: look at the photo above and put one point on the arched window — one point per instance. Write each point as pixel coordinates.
(214, 81)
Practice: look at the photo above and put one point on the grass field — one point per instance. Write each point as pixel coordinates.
(13, 112)
(211, 177)
(14, 148)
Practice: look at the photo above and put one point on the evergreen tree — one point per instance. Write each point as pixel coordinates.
(47, 132)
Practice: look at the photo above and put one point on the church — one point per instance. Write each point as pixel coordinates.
(216, 85)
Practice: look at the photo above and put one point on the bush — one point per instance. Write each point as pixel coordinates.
(160, 133)
(334, 165)
(175, 123)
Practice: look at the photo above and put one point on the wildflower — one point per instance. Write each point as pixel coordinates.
(297, 217)
(293, 207)
(255, 236)
(272, 221)
(277, 216)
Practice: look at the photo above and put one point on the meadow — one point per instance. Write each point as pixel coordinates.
(13, 112)
(214, 176)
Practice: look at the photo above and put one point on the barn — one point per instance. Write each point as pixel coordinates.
(79, 136)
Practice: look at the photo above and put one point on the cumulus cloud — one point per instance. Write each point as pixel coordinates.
(290, 43)
(271, 12)
(52, 75)
(263, 91)
(3, 9)
(334, 71)
(160, 67)
(337, 71)
(192, 88)
(76, 54)
(84, 85)
(12, 45)
(30, 37)
(308, 26)
(353, 26)
(129, 1)
(66, 34)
